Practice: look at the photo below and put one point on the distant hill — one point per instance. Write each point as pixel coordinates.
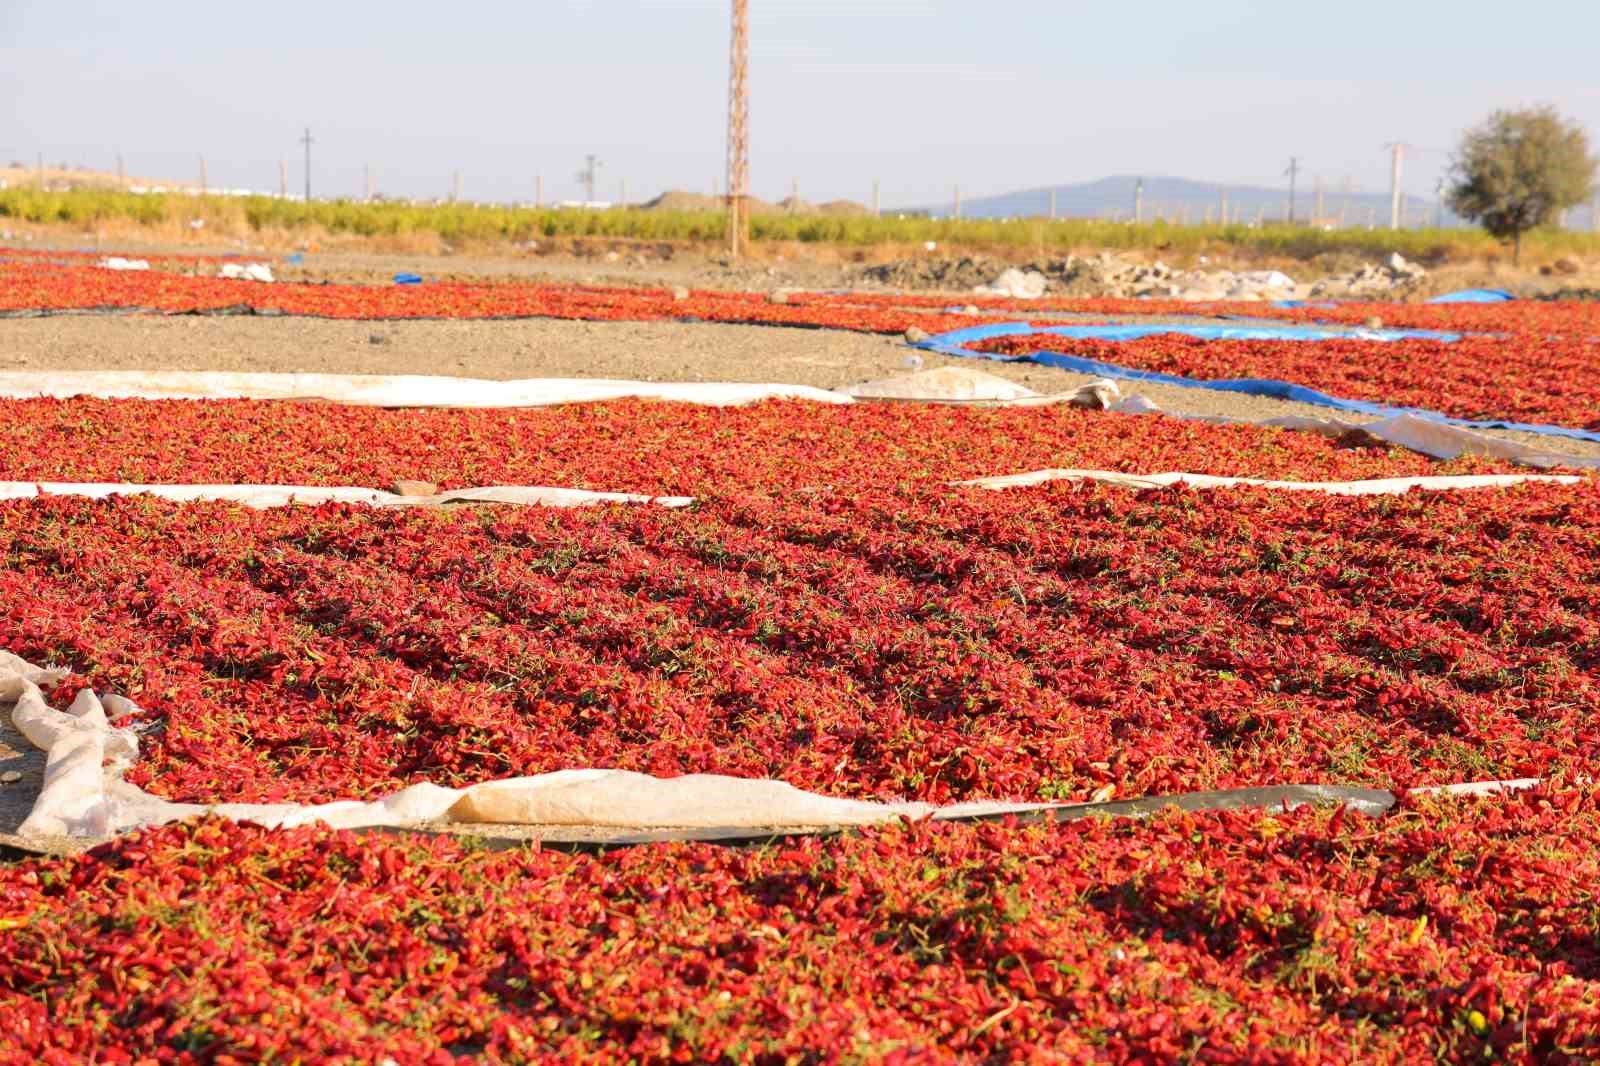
(1171, 198)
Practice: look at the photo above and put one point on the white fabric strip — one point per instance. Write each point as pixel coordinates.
(1377, 486)
(262, 496)
(285, 495)
(379, 390)
(84, 795)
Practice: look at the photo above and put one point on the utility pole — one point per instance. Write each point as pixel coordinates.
(794, 196)
(538, 191)
(1294, 173)
(622, 198)
(367, 172)
(589, 175)
(39, 174)
(739, 130)
(283, 179)
(1138, 202)
(1348, 187)
(1438, 204)
(122, 172)
(877, 201)
(455, 186)
(307, 141)
(1396, 152)
(202, 175)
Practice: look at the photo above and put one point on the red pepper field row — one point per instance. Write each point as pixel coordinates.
(1520, 378)
(938, 645)
(641, 446)
(1450, 932)
(37, 283)
(49, 287)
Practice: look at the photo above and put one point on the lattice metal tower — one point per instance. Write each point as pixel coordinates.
(739, 132)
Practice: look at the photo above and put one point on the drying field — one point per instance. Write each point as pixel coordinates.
(832, 611)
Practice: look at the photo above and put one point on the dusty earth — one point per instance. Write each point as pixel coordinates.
(646, 351)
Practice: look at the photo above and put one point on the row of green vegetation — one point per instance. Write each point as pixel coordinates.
(467, 222)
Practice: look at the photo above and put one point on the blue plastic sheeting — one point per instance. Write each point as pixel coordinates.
(408, 279)
(1474, 296)
(951, 344)
(1207, 333)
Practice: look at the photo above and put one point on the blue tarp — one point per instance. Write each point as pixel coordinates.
(1284, 332)
(952, 343)
(408, 279)
(1474, 296)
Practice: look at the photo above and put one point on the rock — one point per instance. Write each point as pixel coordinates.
(1567, 265)
(1374, 322)
(916, 335)
(778, 296)
(415, 488)
(247, 271)
(10, 777)
(1400, 267)
(680, 294)
(970, 309)
(1016, 284)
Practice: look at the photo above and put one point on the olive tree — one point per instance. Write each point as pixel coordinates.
(1519, 170)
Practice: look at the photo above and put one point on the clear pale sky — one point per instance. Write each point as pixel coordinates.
(920, 93)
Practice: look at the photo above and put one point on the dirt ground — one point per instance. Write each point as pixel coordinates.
(642, 351)
(770, 264)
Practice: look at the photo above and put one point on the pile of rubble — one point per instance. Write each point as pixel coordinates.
(1396, 275)
(1105, 274)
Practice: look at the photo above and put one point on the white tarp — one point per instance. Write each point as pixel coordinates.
(1375, 486)
(286, 495)
(262, 496)
(380, 390)
(85, 796)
